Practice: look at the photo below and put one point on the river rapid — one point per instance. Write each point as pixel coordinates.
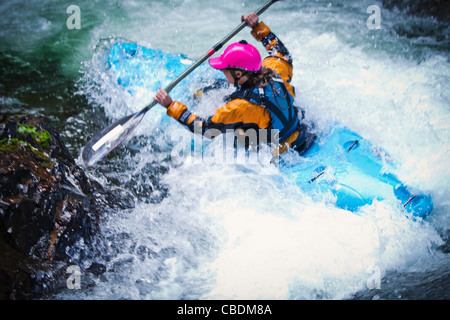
(220, 231)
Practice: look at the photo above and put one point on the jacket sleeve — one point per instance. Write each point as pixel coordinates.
(237, 114)
(279, 59)
(271, 42)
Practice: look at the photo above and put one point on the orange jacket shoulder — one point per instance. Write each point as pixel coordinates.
(242, 111)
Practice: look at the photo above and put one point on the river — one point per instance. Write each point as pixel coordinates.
(237, 232)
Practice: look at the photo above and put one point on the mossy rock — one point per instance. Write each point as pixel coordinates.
(47, 203)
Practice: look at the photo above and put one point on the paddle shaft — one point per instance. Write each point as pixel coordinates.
(209, 53)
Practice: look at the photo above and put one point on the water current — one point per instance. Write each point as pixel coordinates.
(215, 231)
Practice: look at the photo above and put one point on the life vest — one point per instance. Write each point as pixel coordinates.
(277, 100)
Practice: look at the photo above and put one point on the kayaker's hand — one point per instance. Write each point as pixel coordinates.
(251, 19)
(163, 98)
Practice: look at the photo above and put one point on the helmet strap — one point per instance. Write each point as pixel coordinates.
(235, 77)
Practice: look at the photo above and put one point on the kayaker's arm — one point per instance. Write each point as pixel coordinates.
(271, 42)
(279, 59)
(225, 118)
(262, 33)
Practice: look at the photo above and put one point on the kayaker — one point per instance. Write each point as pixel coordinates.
(264, 97)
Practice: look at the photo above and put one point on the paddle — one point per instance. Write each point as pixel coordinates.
(112, 136)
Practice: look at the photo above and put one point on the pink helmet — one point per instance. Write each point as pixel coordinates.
(240, 55)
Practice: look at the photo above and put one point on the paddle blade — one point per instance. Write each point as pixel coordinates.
(110, 138)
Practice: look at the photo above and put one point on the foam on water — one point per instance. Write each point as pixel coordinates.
(245, 232)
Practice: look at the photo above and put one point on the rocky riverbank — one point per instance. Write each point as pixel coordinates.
(47, 203)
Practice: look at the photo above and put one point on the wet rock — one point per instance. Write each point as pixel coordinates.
(47, 203)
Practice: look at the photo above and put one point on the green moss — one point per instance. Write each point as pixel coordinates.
(41, 155)
(42, 138)
(10, 145)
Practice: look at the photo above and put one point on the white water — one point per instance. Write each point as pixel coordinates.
(245, 232)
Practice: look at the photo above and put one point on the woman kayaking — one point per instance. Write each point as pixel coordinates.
(264, 97)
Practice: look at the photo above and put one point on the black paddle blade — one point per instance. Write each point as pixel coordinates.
(109, 138)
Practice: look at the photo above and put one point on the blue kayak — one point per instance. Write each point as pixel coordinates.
(340, 162)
